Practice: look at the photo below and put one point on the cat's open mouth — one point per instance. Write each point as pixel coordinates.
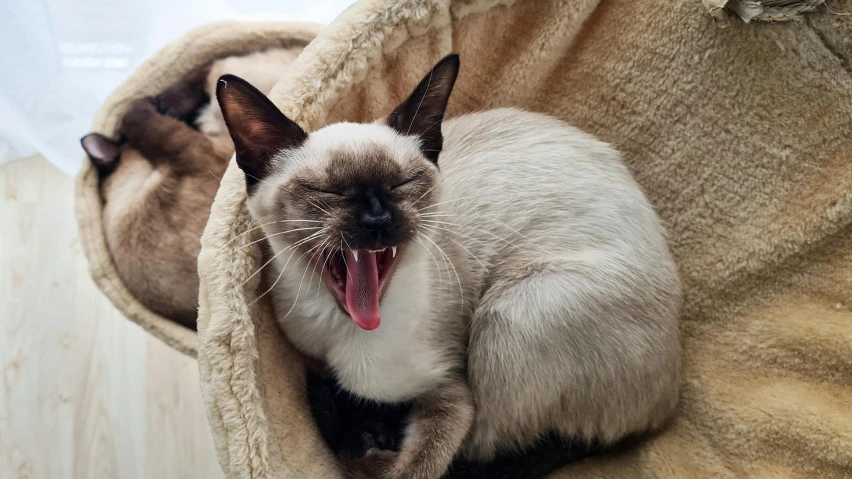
(358, 279)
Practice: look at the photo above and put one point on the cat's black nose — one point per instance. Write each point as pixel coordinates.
(375, 214)
(376, 219)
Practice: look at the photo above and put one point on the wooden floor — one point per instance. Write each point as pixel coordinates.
(85, 393)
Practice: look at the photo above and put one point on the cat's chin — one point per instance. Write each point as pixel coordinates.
(358, 280)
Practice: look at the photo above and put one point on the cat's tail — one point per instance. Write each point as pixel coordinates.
(536, 463)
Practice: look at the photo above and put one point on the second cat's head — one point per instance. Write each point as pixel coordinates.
(347, 197)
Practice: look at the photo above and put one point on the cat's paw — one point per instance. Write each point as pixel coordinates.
(374, 464)
(370, 435)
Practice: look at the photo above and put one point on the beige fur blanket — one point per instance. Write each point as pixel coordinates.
(741, 135)
(194, 50)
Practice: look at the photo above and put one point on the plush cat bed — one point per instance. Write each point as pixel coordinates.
(740, 135)
(196, 49)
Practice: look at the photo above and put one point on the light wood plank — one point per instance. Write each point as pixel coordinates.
(177, 421)
(85, 392)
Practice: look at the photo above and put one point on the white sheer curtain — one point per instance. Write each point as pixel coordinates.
(60, 59)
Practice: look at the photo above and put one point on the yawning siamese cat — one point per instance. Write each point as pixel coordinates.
(502, 270)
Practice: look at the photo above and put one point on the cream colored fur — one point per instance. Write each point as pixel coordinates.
(570, 295)
(737, 133)
(262, 69)
(186, 55)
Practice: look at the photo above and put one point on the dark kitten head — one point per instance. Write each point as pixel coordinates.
(348, 196)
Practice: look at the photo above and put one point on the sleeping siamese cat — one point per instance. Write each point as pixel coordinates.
(501, 270)
(158, 186)
(157, 189)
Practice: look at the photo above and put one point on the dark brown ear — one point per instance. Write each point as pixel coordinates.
(257, 126)
(421, 113)
(103, 151)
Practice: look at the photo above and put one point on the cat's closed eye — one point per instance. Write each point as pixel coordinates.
(418, 175)
(316, 189)
(404, 183)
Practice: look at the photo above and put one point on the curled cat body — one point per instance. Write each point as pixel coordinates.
(157, 189)
(159, 184)
(500, 269)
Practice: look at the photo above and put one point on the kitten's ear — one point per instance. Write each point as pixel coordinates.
(103, 151)
(257, 126)
(422, 112)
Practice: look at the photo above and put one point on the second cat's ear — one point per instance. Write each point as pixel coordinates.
(422, 112)
(257, 126)
(103, 152)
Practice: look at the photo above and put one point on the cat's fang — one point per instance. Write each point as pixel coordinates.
(393, 251)
(355, 255)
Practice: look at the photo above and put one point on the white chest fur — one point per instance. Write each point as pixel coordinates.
(395, 362)
(386, 366)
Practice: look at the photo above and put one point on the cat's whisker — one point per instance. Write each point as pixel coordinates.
(328, 253)
(440, 224)
(446, 259)
(240, 235)
(293, 247)
(319, 251)
(408, 196)
(263, 266)
(324, 203)
(280, 274)
(448, 230)
(284, 268)
(433, 124)
(343, 254)
(425, 93)
(318, 207)
(429, 228)
(252, 176)
(449, 223)
(311, 228)
(490, 216)
(442, 203)
(348, 274)
(483, 216)
(393, 148)
(463, 235)
(424, 194)
(437, 267)
(299, 292)
(443, 258)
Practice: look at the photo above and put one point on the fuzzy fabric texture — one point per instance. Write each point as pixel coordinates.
(739, 134)
(194, 50)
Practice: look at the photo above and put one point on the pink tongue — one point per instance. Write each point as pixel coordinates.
(362, 290)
